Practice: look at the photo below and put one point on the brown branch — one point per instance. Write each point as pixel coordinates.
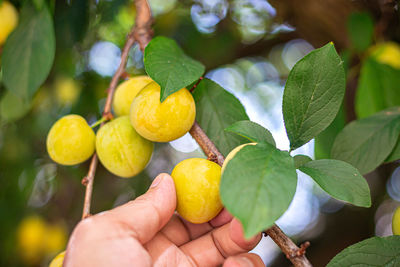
(141, 32)
(88, 182)
(292, 252)
(206, 144)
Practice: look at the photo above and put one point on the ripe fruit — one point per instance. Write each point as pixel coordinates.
(197, 189)
(70, 140)
(126, 92)
(8, 20)
(233, 153)
(30, 234)
(58, 260)
(396, 222)
(387, 53)
(121, 149)
(166, 121)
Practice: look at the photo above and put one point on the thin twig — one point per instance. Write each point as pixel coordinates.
(142, 33)
(206, 144)
(88, 182)
(295, 254)
(195, 85)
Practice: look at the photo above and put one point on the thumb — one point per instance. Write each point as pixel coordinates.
(147, 214)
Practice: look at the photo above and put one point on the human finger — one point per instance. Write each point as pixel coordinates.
(244, 260)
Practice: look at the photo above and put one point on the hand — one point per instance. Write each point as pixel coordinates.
(146, 232)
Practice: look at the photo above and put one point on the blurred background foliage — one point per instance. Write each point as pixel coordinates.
(249, 47)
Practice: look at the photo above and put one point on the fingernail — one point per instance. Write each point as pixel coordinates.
(245, 262)
(156, 181)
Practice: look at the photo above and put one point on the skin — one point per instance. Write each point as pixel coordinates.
(121, 149)
(166, 121)
(58, 260)
(126, 92)
(70, 140)
(396, 222)
(8, 20)
(197, 189)
(146, 232)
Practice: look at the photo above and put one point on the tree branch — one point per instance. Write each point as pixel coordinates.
(142, 33)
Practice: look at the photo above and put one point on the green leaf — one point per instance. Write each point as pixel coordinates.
(395, 155)
(300, 160)
(340, 180)
(251, 131)
(167, 64)
(257, 186)
(360, 28)
(313, 94)
(378, 88)
(13, 107)
(216, 109)
(375, 251)
(367, 142)
(324, 141)
(29, 52)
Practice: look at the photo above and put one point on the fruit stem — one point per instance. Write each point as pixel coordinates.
(97, 123)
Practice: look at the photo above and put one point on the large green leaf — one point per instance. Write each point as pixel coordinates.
(216, 109)
(360, 28)
(252, 131)
(378, 88)
(167, 64)
(367, 142)
(340, 180)
(313, 94)
(257, 186)
(29, 52)
(375, 251)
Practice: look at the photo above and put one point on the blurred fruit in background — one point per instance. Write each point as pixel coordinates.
(8, 20)
(387, 53)
(67, 90)
(38, 240)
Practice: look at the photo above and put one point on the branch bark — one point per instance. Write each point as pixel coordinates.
(142, 33)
